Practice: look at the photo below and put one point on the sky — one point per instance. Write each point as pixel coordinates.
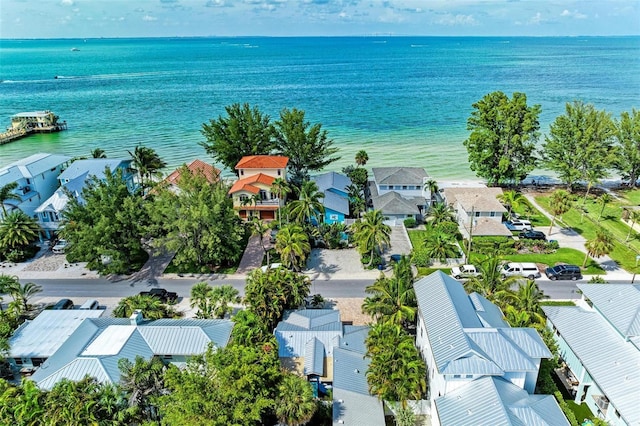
(169, 18)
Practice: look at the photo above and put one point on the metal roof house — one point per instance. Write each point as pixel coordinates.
(599, 341)
(336, 195)
(95, 347)
(73, 180)
(399, 192)
(352, 402)
(463, 338)
(37, 179)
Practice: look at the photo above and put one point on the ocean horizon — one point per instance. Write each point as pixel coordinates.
(403, 99)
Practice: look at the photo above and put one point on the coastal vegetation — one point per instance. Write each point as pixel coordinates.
(18, 235)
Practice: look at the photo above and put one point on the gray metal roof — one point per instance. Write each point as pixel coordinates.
(356, 409)
(350, 371)
(311, 319)
(354, 337)
(399, 175)
(93, 167)
(495, 401)
(618, 303)
(393, 203)
(489, 314)
(501, 350)
(31, 166)
(175, 340)
(335, 202)
(331, 180)
(43, 336)
(612, 362)
(314, 357)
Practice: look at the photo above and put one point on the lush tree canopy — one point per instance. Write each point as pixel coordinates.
(244, 131)
(627, 134)
(503, 136)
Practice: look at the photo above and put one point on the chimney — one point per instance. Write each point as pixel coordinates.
(136, 317)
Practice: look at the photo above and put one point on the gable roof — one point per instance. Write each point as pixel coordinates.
(611, 361)
(31, 166)
(393, 203)
(335, 202)
(466, 335)
(97, 345)
(262, 162)
(332, 180)
(618, 303)
(298, 328)
(92, 167)
(248, 184)
(399, 175)
(196, 167)
(479, 199)
(495, 401)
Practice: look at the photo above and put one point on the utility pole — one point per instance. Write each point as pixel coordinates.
(466, 258)
(635, 270)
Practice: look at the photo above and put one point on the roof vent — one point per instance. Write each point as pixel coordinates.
(136, 317)
(341, 421)
(341, 401)
(469, 412)
(356, 371)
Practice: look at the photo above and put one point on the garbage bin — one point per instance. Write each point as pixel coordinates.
(380, 267)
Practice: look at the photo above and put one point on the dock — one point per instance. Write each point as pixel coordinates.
(28, 123)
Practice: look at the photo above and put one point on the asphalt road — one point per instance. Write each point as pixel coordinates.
(335, 288)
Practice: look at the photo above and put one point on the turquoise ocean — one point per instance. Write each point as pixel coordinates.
(405, 100)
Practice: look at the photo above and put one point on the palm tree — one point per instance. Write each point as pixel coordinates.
(440, 245)
(147, 163)
(281, 189)
(295, 405)
(527, 300)
(142, 381)
(372, 234)
(604, 199)
(512, 199)
(293, 245)
(362, 157)
(441, 212)
(490, 283)
(432, 186)
(516, 317)
(393, 299)
(635, 217)
(6, 193)
(600, 245)
(151, 307)
(560, 202)
(98, 153)
(22, 293)
(221, 298)
(201, 298)
(308, 206)
(17, 231)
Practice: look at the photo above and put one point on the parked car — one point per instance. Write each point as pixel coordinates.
(59, 247)
(518, 225)
(63, 304)
(272, 266)
(91, 304)
(162, 294)
(564, 272)
(533, 235)
(465, 271)
(529, 270)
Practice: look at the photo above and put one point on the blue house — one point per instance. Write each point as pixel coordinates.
(336, 196)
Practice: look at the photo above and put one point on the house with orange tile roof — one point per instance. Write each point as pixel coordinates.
(251, 193)
(196, 167)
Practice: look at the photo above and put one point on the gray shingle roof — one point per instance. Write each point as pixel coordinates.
(480, 199)
(494, 401)
(399, 175)
(332, 180)
(485, 227)
(612, 362)
(393, 203)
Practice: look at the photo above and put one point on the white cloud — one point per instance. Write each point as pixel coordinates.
(455, 20)
(66, 2)
(536, 19)
(149, 18)
(575, 14)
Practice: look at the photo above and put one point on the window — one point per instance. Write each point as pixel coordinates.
(279, 172)
(18, 361)
(243, 197)
(457, 376)
(29, 181)
(469, 376)
(404, 187)
(241, 172)
(167, 356)
(492, 214)
(477, 214)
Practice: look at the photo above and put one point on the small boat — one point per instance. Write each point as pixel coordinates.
(75, 49)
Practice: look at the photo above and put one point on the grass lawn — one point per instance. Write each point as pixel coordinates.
(562, 255)
(417, 237)
(588, 222)
(581, 411)
(424, 271)
(557, 303)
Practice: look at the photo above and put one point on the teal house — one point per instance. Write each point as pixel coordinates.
(336, 196)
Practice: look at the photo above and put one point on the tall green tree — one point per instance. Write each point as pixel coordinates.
(371, 234)
(143, 383)
(259, 228)
(308, 206)
(512, 199)
(151, 307)
(396, 371)
(490, 283)
(280, 188)
(106, 221)
(432, 186)
(307, 146)
(627, 135)
(601, 245)
(362, 157)
(295, 405)
(244, 131)
(579, 144)
(198, 224)
(17, 231)
(634, 216)
(560, 202)
(439, 213)
(98, 153)
(6, 194)
(503, 137)
(440, 245)
(249, 329)
(22, 293)
(604, 199)
(293, 245)
(527, 300)
(148, 164)
(393, 299)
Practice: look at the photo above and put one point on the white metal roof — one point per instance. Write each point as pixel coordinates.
(618, 303)
(31, 166)
(110, 341)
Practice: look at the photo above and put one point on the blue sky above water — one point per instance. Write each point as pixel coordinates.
(167, 18)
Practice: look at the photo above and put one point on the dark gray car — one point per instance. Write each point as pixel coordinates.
(564, 272)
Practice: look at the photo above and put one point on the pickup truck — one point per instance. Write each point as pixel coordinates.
(162, 294)
(464, 271)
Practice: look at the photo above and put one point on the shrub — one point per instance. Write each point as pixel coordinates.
(420, 258)
(410, 222)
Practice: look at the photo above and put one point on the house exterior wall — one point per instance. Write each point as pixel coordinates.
(332, 216)
(276, 173)
(406, 190)
(464, 217)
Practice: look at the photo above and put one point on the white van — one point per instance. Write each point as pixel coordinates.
(529, 270)
(91, 304)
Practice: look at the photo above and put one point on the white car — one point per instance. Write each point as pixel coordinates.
(59, 247)
(465, 271)
(518, 225)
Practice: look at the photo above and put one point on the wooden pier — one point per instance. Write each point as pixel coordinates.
(28, 123)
